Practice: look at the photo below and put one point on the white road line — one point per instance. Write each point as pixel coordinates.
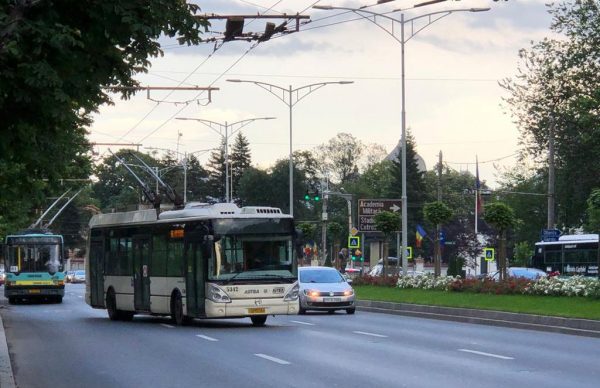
(370, 334)
(274, 359)
(206, 337)
(79, 296)
(167, 326)
(486, 354)
(304, 323)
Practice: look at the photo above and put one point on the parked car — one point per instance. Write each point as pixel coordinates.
(78, 277)
(69, 276)
(519, 272)
(324, 289)
(393, 268)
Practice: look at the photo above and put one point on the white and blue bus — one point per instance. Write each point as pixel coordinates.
(202, 261)
(34, 266)
(570, 255)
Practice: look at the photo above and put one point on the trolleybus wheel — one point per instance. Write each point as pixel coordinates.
(12, 300)
(258, 320)
(111, 305)
(177, 309)
(58, 299)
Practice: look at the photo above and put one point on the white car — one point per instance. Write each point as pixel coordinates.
(324, 289)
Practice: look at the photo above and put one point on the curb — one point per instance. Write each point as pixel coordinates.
(581, 327)
(7, 378)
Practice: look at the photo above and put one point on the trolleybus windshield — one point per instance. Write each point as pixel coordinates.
(33, 254)
(251, 257)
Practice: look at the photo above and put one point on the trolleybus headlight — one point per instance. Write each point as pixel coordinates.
(292, 294)
(218, 295)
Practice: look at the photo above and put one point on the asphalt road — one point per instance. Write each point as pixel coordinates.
(73, 345)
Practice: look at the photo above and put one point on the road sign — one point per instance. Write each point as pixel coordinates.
(368, 208)
(489, 254)
(353, 231)
(353, 242)
(409, 253)
(550, 234)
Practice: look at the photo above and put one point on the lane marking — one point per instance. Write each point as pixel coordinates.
(370, 334)
(486, 354)
(79, 296)
(167, 326)
(274, 359)
(304, 323)
(206, 337)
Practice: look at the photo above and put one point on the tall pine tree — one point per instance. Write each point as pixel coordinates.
(240, 160)
(415, 184)
(216, 174)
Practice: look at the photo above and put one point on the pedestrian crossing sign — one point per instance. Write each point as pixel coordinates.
(489, 254)
(353, 242)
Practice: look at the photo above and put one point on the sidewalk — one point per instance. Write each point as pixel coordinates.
(582, 327)
(7, 379)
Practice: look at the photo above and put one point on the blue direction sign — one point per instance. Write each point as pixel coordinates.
(550, 234)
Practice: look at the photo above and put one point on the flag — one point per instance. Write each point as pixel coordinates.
(479, 205)
(419, 236)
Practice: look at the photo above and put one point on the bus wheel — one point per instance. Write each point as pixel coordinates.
(177, 309)
(258, 320)
(111, 305)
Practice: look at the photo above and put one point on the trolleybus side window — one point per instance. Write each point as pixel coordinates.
(158, 264)
(120, 259)
(175, 258)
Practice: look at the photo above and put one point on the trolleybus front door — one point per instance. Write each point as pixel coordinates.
(195, 278)
(141, 274)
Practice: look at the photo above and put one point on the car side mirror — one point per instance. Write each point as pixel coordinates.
(349, 281)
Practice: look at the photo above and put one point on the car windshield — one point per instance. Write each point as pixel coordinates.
(320, 276)
(80, 273)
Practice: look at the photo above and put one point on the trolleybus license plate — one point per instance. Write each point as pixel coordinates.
(256, 310)
(34, 291)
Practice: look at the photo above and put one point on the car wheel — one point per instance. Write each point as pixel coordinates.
(350, 311)
(301, 311)
(258, 320)
(177, 309)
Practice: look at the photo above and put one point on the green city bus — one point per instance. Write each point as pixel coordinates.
(34, 266)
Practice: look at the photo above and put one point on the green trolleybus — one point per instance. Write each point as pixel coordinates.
(201, 261)
(34, 266)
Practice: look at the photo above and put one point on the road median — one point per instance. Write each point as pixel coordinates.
(574, 326)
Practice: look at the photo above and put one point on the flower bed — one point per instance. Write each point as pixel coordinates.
(572, 286)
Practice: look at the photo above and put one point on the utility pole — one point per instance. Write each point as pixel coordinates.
(439, 184)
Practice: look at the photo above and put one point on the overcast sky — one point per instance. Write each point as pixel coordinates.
(453, 100)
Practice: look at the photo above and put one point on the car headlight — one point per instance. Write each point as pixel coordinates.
(312, 293)
(349, 292)
(292, 294)
(218, 295)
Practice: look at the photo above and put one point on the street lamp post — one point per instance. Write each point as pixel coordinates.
(432, 17)
(293, 97)
(223, 131)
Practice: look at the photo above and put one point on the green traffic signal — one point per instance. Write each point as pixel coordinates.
(317, 198)
(307, 196)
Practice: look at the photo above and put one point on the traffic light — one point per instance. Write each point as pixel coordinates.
(308, 196)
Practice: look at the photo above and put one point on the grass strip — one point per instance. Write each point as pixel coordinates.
(559, 306)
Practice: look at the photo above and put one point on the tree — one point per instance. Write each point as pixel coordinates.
(501, 217)
(240, 160)
(522, 253)
(556, 95)
(415, 185)
(339, 157)
(334, 231)
(216, 173)
(56, 58)
(437, 213)
(388, 223)
(251, 189)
